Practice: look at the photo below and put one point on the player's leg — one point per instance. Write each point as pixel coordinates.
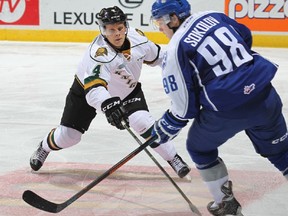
(206, 134)
(76, 119)
(141, 120)
(270, 136)
(58, 138)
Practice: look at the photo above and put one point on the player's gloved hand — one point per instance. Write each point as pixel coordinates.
(167, 127)
(115, 113)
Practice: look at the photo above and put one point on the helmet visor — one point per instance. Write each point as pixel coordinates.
(113, 29)
(158, 22)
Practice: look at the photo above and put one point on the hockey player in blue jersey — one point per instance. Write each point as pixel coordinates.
(213, 77)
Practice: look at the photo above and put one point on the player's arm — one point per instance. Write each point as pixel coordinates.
(178, 85)
(153, 52)
(97, 96)
(154, 55)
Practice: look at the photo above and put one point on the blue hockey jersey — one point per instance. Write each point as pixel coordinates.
(209, 63)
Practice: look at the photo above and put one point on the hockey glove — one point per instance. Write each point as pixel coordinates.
(167, 127)
(115, 113)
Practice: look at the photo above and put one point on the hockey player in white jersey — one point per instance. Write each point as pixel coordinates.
(213, 77)
(107, 80)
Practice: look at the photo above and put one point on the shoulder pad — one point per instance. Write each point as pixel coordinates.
(140, 32)
(136, 37)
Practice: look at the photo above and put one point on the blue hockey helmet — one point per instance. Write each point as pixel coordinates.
(181, 8)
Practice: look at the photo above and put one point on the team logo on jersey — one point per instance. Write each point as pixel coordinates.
(249, 89)
(101, 52)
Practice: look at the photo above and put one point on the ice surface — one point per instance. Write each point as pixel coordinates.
(35, 78)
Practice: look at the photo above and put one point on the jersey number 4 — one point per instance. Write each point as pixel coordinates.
(216, 56)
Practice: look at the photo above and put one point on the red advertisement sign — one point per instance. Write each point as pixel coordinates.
(259, 15)
(19, 12)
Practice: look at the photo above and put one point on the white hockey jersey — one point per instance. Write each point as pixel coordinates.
(105, 72)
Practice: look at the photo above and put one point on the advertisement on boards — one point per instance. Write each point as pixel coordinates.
(68, 14)
(76, 20)
(19, 12)
(260, 15)
(83, 16)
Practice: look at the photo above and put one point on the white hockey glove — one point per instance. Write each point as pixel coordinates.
(167, 127)
(115, 112)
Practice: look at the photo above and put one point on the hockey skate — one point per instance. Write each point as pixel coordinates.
(38, 157)
(229, 205)
(180, 167)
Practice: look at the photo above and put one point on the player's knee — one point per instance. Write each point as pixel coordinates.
(141, 121)
(202, 157)
(65, 137)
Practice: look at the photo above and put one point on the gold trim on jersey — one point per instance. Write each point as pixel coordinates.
(92, 83)
(95, 82)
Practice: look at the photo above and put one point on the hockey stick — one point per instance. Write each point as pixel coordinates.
(38, 202)
(192, 207)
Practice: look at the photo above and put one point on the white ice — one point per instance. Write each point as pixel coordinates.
(35, 78)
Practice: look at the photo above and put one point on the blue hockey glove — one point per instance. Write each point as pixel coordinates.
(167, 127)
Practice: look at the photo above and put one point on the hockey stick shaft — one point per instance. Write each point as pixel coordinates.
(191, 205)
(38, 202)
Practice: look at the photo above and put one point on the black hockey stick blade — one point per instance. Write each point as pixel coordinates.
(39, 202)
